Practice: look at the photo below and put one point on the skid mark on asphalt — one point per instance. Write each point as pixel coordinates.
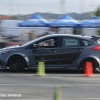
(51, 99)
(86, 99)
(25, 99)
(80, 98)
(52, 85)
(75, 78)
(58, 76)
(52, 75)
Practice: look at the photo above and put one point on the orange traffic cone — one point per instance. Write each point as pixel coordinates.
(88, 69)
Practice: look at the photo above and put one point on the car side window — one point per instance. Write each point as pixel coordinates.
(70, 42)
(86, 43)
(52, 42)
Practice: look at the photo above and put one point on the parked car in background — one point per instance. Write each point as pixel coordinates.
(57, 51)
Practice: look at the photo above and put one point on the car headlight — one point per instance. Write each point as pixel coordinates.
(3, 51)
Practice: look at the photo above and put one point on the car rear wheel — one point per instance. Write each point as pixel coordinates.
(94, 64)
(16, 63)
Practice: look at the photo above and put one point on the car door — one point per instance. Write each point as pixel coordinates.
(69, 51)
(46, 52)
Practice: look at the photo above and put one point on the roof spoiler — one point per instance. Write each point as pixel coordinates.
(95, 38)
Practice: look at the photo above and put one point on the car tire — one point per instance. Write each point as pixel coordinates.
(94, 63)
(16, 63)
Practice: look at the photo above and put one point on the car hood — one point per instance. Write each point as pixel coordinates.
(11, 47)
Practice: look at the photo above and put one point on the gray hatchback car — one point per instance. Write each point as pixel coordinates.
(57, 51)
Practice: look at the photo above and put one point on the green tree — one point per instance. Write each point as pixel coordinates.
(97, 14)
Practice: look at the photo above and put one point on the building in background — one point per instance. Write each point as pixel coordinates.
(4, 17)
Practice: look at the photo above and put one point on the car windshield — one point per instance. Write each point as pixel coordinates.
(33, 41)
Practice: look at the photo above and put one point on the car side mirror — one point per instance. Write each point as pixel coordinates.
(35, 45)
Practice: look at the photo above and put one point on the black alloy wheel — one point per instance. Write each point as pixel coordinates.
(16, 63)
(94, 64)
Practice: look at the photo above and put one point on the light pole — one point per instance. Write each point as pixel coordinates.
(11, 7)
(62, 7)
(92, 6)
(82, 8)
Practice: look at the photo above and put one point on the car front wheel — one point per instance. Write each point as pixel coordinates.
(16, 63)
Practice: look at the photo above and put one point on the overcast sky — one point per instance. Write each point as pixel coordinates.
(12, 7)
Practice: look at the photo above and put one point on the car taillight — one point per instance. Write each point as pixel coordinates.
(96, 48)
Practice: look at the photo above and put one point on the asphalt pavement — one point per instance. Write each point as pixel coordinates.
(27, 85)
